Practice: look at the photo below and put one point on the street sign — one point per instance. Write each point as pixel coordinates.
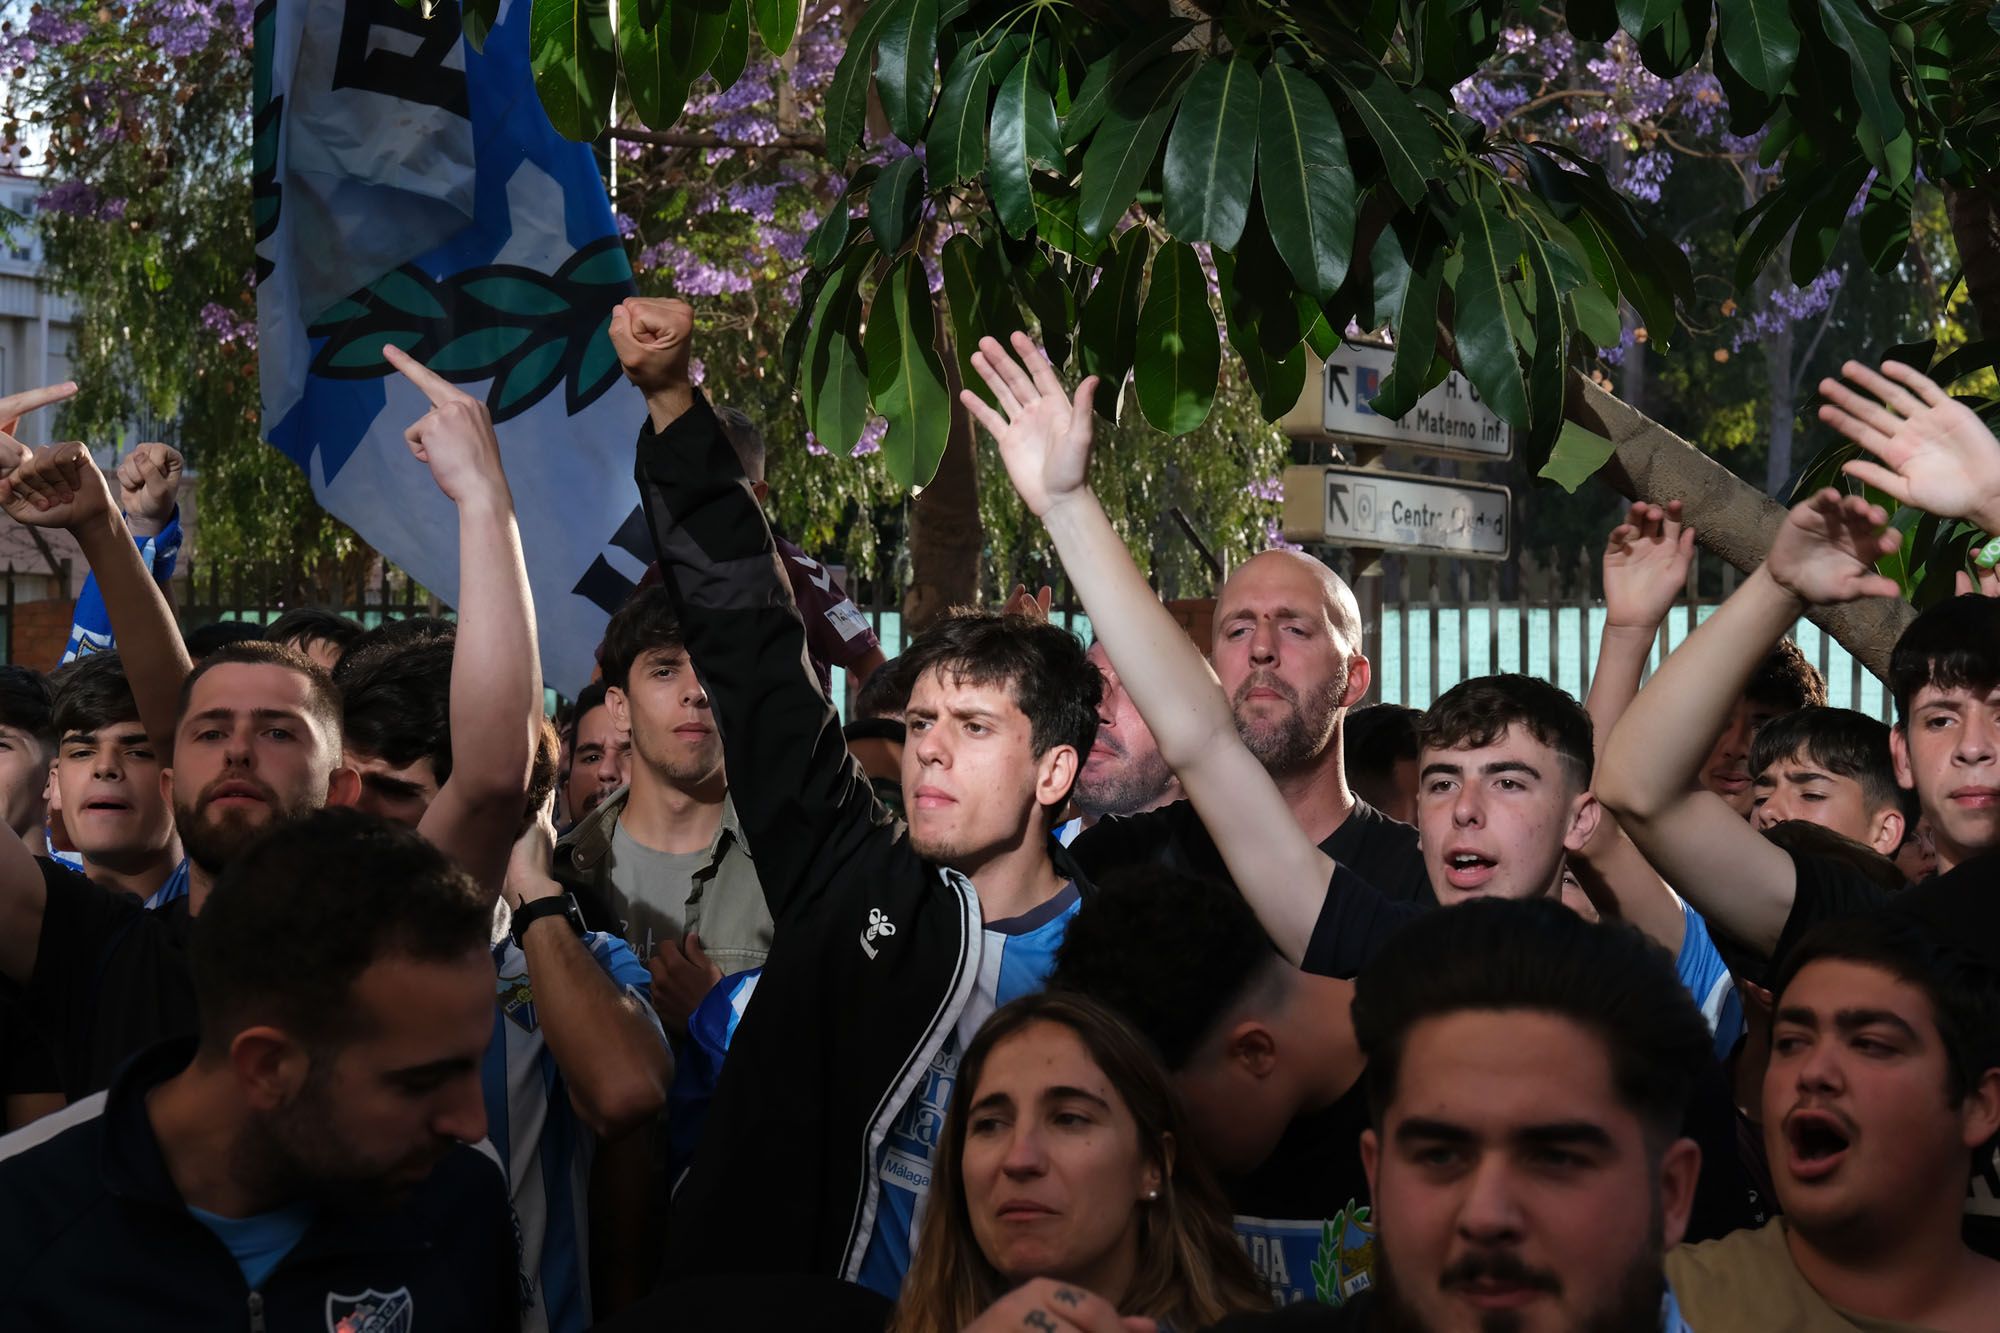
(1398, 511)
(1449, 419)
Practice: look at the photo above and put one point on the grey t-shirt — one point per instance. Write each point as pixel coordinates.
(650, 889)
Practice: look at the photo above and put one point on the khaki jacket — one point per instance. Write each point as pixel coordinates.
(727, 905)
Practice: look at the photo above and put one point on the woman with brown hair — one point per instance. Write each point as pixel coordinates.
(1062, 1157)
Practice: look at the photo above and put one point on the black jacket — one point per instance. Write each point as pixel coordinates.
(876, 949)
(93, 1235)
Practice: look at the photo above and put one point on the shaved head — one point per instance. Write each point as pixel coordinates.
(1343, 612)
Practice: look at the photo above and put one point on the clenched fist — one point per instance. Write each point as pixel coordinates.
(651, 337)
(149, 482)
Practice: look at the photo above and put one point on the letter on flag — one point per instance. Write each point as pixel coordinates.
(411, 190)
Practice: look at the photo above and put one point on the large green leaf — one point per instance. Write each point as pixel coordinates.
(1212, 154)
(829, 238)
(1305, 181)
(1761, 41)
(834, 386)
(734, 56)
(846, 108)
(1411, 153)
(1022, 100)
(956, 148)
(1093, 95)
(1266, 296)
(1415, 320)
(777, 23)
(1575, 457)
(1549, 365)
(906, 65)
(1867, 47)
(1639, 17)
(1122, 151)
(477, 17)
(1672, 49)
(1388, 279)
(1591, 20)
(1278, 380)
(1179, 359)
(696, 32)
(1057, 227)
(1108, 330)
(975, 291)
(657, 85)
(1490, 328)
(570, 51)
(905, 375)
(893, 203)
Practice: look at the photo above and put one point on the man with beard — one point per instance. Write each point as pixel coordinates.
(1124, 774)
(316, 1127)
(1528, 1072)
(1287, 650)
(254, 737)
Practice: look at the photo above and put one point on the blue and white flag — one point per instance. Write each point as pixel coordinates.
(411, 190)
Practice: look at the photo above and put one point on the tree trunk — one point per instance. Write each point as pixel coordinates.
(1975, 225)
(1731, 517)
(946, 536)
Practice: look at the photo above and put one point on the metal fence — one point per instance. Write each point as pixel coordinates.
(1426, 626)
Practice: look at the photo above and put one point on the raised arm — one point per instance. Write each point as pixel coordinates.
(1645, 567)
(801, 800)
(1825, 551)
(58, 486)
(496, 674)
(1044, 438)
(148, 484)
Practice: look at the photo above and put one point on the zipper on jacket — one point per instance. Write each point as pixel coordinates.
(256, 1312)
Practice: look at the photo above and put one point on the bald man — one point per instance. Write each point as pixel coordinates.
(1287, 650)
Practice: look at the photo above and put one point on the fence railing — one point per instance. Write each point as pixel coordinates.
(1427, 627)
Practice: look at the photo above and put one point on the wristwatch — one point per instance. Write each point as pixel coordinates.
(559, 904)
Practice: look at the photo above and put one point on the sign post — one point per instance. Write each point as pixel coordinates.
(1398, 511)
(1449, 419)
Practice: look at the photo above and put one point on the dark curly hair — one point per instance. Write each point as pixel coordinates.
(1478, 711)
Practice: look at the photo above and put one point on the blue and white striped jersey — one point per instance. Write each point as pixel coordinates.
(1707, 978)
(1015, 959)
(534, 1133)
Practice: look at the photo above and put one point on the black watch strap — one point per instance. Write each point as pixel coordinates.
(561, 904)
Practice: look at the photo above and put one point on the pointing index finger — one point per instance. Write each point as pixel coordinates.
(435, 386)
(17, 405)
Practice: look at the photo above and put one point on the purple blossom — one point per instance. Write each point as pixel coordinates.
(1271, 489)
(53, 29)
(80, 200)
(627, 227)
(227, 328)
(1274, 537)
(871, 438)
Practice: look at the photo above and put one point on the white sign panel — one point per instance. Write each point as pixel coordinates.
(1397, 511)
(1449, 419)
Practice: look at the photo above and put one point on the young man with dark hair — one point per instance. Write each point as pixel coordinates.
(27, 741)
(597, 756)
(664, 862)
(314, 1132)
(1263, 1057)
(893, 941)
(1503, 788)
(1381, 746)
(1831, 767)
(321, 634)
(395, 723)
(1884, 1079)
(106, 784)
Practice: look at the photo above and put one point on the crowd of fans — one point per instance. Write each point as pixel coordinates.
(1143, 986)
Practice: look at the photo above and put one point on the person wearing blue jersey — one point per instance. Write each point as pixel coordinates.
(105, 784)
(149, 483)
(892, 942)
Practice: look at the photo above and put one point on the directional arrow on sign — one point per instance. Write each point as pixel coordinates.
(1338, 495)
(1336, 377)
